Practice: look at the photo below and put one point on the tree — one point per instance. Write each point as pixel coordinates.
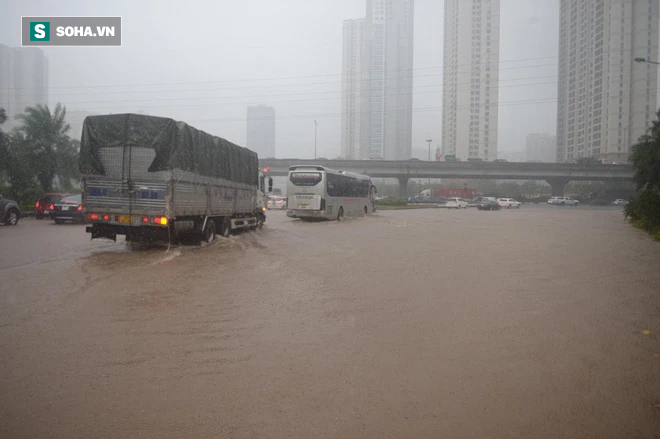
(23, 185)
(644, 209)
(46, 138)
(3, 144)
(67, 163)
(645, 158)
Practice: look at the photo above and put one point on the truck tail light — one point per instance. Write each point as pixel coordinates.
(106, 217)
(51, 207)
(161, 220)
(92, 216)
(37, 205)
(80, 208)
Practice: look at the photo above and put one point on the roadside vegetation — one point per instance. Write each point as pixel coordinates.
(36, 154)
(643, 210)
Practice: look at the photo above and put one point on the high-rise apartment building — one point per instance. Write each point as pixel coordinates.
(605, 99)
(23, 80)
(388, 70)
(470, 80)
(541, 147)
(352, 89)
(261, 130)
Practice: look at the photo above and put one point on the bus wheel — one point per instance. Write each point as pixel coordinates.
(340, 214)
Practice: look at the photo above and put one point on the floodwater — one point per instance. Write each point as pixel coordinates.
(539, 322)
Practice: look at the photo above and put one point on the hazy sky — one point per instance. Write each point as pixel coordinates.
(204, 61)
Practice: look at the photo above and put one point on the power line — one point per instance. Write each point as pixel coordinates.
(273, 85)
(286, 77)
(292, 94)
(414, 110)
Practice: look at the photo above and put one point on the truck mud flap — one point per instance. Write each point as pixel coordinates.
(98, 232)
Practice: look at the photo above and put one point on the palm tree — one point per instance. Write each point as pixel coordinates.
(46, 134)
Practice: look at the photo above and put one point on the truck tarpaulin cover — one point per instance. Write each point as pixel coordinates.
(177, 146)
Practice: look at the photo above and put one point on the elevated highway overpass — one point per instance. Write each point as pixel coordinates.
(556, 174)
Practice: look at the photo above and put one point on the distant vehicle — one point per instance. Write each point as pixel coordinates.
(276, 202)
(68, 209)
(618, 163)
(620, 202)
(450, 158)
(475, 159)
(508, 203)
(488, 204)
(456, 203)
(598, 202)
(43, 204)
(589, 161)
(10, 213)
(563, 201)
(320, 192)
(414, 159)
(277, 191)
(440, 193)
(500, 161)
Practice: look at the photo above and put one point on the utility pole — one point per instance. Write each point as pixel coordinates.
(314, 140)
(429, 142)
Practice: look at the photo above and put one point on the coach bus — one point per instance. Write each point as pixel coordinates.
(319, 192)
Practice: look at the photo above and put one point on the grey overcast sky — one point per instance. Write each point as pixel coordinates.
(204, 61)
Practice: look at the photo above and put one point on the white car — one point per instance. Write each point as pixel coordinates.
(456, 203)
(508, 203)
(620, 202)
(275, 202)
(563, 201)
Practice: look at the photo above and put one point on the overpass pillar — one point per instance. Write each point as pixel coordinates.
(558, 185)
(403, 187)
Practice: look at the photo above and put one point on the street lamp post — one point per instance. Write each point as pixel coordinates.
(314, 140)
(642, 59)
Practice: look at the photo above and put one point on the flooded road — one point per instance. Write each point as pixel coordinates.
(405, 324)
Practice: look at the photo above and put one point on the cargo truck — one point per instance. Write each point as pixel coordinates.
(440, 193)
(153, 178)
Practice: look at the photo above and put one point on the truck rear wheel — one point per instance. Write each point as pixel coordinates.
(340, 214)
(225, 228)
(209, 233)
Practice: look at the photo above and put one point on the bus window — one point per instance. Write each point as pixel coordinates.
(305, 178)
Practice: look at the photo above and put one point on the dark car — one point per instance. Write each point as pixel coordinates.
(9, 211)
(68, 209)
(487, 204)
(42, 207)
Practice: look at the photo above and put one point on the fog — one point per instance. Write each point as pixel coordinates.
(205, 61)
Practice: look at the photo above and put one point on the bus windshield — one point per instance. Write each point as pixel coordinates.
(305, 178)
